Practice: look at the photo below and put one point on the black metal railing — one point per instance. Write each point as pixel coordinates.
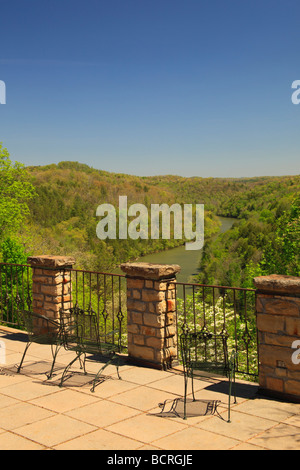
(15, 292)
(198, 306)
(103, 294)
(221, 310)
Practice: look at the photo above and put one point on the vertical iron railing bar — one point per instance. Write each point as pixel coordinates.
(17, 295)
(235, 328)
(6, 297)
(104, 310)
(184, 307)
(90, 287)
(11, 296)
(76, 281)
(120, 313)
(203, 306)
(113, 306)
(1, 304)
(23, 303)
(83, 291)
(204, 321)
(215, 322)
(194, 308)
(246, 331)
(176, 321)
(98, 300)
(29, 297)
(256, 329)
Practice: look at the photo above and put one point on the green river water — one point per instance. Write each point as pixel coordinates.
(189, 260)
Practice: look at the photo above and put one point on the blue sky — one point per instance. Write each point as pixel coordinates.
(148, 87)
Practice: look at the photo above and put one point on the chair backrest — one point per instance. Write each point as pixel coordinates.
(83, 327)
(205, 351)
(39, 325)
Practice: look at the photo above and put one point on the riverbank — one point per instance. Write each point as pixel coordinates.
(188, 260)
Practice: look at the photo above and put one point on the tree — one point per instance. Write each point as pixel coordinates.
(282, 256)
(15, 191)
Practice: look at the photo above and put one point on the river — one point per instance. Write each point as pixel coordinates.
(189, 260)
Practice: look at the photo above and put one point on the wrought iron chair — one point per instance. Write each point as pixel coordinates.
(82, 335)
(207, 352)
(42, 330)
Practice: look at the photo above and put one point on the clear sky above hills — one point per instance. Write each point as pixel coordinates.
(146, 87)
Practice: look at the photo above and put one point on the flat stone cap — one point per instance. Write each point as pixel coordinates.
(278, 283)
(46, 261)
(150, 270)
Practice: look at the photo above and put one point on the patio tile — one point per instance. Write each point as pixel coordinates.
(20, 414)
(174, 383)
(27, 390)
(111, 387)
(7, 401)
(124, 414)
(99, 440)
(293, 420)
(270, 409)
(54, 430)
(146, 428)
(102, 413)
(142, 398)
(143, 375)
(247, 446)
(10, 441)
(280, 437)
(6, 380)
(65, 400)
(241, 427)
(193, 438)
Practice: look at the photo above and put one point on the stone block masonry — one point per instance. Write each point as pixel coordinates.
(51, 284)
(278, 325)
(151, 313)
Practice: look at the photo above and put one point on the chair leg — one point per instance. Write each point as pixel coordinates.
(185, 392)
(54, 355)
(229, 400)
(24, 354)
(231, 381)
(117, 367)
(78, 354)
(100, 372)
(193, 391)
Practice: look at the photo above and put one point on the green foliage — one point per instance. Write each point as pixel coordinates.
(13, 252)
(282, 253)
(265, 238)
(15, 281)
(15, 192)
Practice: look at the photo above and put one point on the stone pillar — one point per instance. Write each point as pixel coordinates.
(51, 284)
(278, 324)
(151, 319)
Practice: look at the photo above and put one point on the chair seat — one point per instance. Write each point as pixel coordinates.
(94, 348)
(213, 367)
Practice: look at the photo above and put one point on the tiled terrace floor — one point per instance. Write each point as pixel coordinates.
(36, 414)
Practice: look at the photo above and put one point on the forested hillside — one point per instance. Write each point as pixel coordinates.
(52, 210)
(264, 240)
(63, 213)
